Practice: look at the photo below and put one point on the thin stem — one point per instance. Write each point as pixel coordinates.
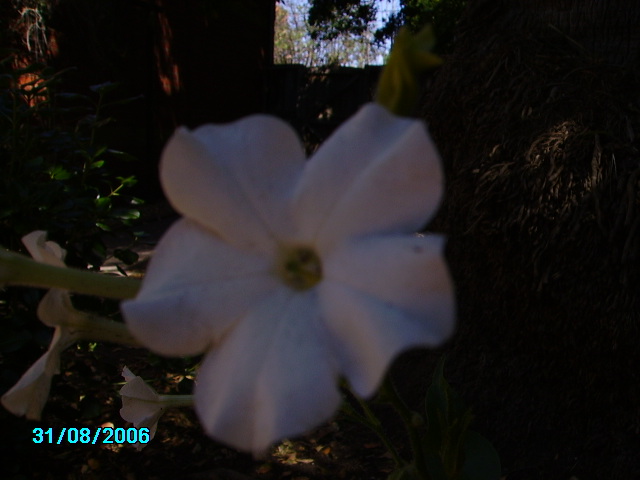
(16, 269)
(391, 394)
(371, 421)
(375, 425)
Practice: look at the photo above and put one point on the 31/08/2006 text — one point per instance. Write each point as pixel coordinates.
(87, 435)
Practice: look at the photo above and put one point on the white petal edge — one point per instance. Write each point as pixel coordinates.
(235, 179)
(140, 405)
(273, 377)
(373, 319)
(42, 250)
(406, 271)
(377, 173)
(29, 395)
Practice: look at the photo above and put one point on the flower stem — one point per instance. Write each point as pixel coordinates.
(373, 423)
(390, 393)
(16, 269)
(94, 328)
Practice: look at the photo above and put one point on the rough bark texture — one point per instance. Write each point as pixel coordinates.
(607, 30)
(538, 128)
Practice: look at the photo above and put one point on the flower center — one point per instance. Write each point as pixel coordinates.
(300, 267)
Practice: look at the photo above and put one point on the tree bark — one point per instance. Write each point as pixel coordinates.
(536, 116)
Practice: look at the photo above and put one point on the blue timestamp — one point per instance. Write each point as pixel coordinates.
(91, 435)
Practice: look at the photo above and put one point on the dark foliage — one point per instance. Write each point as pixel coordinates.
(336, 17)
(415, 14)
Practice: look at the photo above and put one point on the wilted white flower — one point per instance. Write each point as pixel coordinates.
(142, 406)
(289, 275)
(29, 396)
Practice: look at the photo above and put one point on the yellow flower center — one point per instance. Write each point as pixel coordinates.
(300, 267)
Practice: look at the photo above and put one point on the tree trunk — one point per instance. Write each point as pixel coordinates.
(605, 30)
(536, 115)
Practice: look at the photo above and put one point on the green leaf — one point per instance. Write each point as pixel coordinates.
(129, 257)
(448, 423)
(122, 156)
(103, 88)
(99, 151)
(437, 408)
(98, 248)
(59, 173)
(407, 472)
(126, 214)
(103, 203)
(128, 181)
(481, 460)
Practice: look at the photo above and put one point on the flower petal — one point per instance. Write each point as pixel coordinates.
(407, 271)
(137, 389)
(195, 288)
(43, 251)
(140, 403)
(273, 377)
(137, 411)
(56, 309)
(382, 296)
(29, 396)
(151, 423)
(377, 173)
(234, 179)
(128, 374)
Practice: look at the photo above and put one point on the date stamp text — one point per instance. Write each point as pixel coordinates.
(91, 435)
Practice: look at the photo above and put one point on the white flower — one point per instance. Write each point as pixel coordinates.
(291, 274)
(141, 405)
(29, 395)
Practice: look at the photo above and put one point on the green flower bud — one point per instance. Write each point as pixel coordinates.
(410, 57)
